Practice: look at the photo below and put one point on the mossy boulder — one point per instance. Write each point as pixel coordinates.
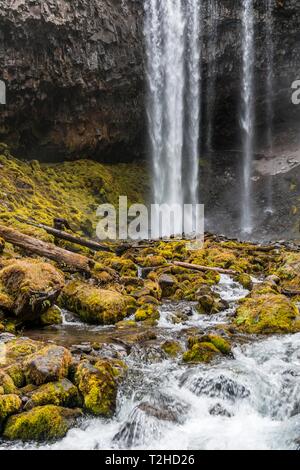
(96, 306)
(16, 372)
(147, 312)
(210, 303)
(28, 288)
(168, 284)
(6, 383)
(50, 364)
(245, 280)
(99, 384)
(171, 348)
(2, 245)
(42, 423)
(204, 348)
(62, 393)
(153, 261)
(201, 352)
(267, 313)
(9, 404)
(18, 349)
(289, 272)
(52, 316)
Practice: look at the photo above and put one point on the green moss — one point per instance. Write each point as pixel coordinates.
(52, 316)
(201, 352)
(16, 372)
(171, 348)
(7, 383)
(245, 280)
(267, 314)
(9, 404)
(98, 385)
(153, 261)
(35, 190)
(61, 393)
(221, 344)
(94, 305)
(147, 312)
(40, 424)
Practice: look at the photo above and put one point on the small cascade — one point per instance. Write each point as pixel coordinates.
(247, 114)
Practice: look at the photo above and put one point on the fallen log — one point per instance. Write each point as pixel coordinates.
(291, 293)
(92, 245)
(197, 267)
(47, 250)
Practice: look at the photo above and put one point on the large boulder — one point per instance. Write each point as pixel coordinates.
(50, 364)
(61, 393)
(267, 312)
(28, 288)
(99, 384)
(41, 423)
(94, 305)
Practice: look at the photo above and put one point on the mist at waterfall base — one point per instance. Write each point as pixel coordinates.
(192, 162)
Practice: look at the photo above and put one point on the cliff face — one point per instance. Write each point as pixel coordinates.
(74, 77)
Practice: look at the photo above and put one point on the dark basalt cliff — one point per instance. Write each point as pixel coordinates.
(75, 74)
(74, 77)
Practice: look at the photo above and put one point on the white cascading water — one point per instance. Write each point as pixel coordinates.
(250, 401)
(247, 115)
(193, 12)
(269, 94)
(172, 31)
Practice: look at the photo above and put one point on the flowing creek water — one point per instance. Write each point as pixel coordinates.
(248, 401)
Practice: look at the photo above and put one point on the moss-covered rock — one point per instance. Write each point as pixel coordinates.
(267, 313)
(41, 423)
(28, 288)
(245, 280)
(2, 245)
(147, 312)
(168, 284)
(9, 404)
(6, 383)
(52, 316)
(171, 348)
(204, 348)
(289, 271)
(16, 372)
(61, 393)
(18, 349)
(201, 352)
(98, 384)
(210, 303)
(96, 306)
(50, 364)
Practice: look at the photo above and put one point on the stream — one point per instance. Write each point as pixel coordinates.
(249, 401)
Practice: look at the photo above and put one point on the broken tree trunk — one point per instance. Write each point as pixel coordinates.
(48, 250)
(92, 245)
(197, 267)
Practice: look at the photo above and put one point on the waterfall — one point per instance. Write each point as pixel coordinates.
(212, 15)
(172, 31)
(247, 116)
(270, 94)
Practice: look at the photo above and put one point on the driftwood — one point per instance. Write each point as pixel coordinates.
(47, 250)
(68, 237)
(291, 293)
(197, 267)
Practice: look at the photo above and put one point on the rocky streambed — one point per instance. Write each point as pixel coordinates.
(143, 353)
